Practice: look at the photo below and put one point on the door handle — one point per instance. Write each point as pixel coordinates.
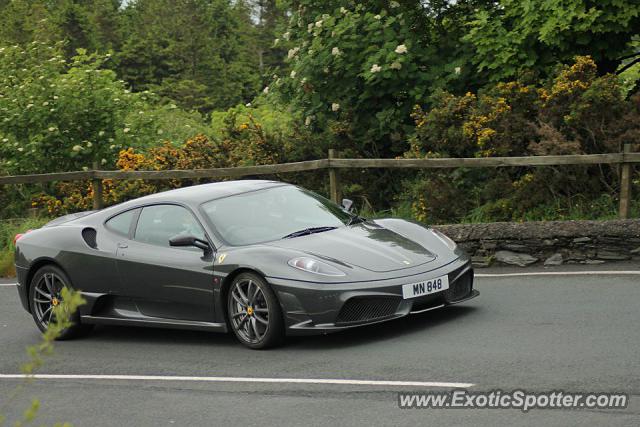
(122, 245)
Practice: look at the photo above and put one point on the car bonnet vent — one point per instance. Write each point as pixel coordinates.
(89, 235)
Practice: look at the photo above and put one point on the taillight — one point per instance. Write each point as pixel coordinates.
(18, 236)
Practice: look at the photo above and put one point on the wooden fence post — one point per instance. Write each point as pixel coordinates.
(625, 185)
(334, 184)
(96, 186)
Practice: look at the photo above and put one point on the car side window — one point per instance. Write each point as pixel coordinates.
(121, 223)
(158, 224)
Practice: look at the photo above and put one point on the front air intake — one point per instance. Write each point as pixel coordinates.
(364, 309)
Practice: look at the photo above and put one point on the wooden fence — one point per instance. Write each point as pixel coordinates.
(333, 163)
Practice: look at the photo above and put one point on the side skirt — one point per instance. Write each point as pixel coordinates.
(155, 322)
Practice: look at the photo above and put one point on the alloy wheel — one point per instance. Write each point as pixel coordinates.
(249, 311)
(47, 296)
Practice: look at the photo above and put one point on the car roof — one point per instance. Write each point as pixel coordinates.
(197, 194)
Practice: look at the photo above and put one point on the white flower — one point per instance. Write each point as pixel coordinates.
(85, 168)
(395, 65)
(310, 52)
(29, 105)
(101, 133)
(307, 121)
(401, 49)
(21, 149)
(335, 106)
(248, 104)
(457, 70)
(286, 35)
(293, 52)
(394, 4)
(55, 96)
(103, 161)
(343, 10)
(126, 130)
(378, 17)
(319, 24)
(159, 131)
(310, 27)
(265, 90)
(112, 147)
(89, 144)
(335, 51)
(5, 139)
(276, 41)
(77, 148)
(293, 74)
(52, 129)
(45, 103)
(375, 68)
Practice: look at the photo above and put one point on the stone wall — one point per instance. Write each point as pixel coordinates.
(548, 242)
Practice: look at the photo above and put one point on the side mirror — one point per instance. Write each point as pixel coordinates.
(347, 204)
(188, 241)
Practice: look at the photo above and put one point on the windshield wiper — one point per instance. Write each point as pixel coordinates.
(310, 230)
(355, 220)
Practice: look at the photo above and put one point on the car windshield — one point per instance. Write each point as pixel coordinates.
(272, 214)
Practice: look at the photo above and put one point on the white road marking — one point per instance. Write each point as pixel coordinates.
(562, 273)
(8, 284)
(239, 380)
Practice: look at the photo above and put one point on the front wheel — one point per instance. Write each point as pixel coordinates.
(45, 294)
(254, 312)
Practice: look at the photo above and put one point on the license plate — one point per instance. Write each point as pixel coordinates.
(426, 287)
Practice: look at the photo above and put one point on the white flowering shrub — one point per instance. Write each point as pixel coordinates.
(357, 68)
(59, 116)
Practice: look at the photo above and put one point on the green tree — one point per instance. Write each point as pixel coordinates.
(93, 25)
(510, 36)
(59, 116)
(188, 51)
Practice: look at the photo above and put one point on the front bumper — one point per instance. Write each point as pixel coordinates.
(312, 308)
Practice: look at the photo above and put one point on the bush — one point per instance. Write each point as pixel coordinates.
(8, 230)
(575, 112)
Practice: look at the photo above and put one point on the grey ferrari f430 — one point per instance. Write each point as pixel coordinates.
(263, 259)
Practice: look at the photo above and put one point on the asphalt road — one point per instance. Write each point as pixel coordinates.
(576, 333)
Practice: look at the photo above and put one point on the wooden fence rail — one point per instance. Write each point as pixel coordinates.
(624, 159)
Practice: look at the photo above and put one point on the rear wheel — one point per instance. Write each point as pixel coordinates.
(45, 293)
(254, 312)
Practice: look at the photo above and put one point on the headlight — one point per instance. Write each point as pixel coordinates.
(444, 239)
(314, 266)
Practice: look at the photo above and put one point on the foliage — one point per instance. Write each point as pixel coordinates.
(511, 36)
(260, 81)
(357, 70)
(575, 112)
(57, 118)
(8, 230)
(194, 52)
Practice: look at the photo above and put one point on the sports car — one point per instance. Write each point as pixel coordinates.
(262, 259)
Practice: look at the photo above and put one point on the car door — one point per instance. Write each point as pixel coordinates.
(164, 281)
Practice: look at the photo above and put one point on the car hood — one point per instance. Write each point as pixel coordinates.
(365, 245)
